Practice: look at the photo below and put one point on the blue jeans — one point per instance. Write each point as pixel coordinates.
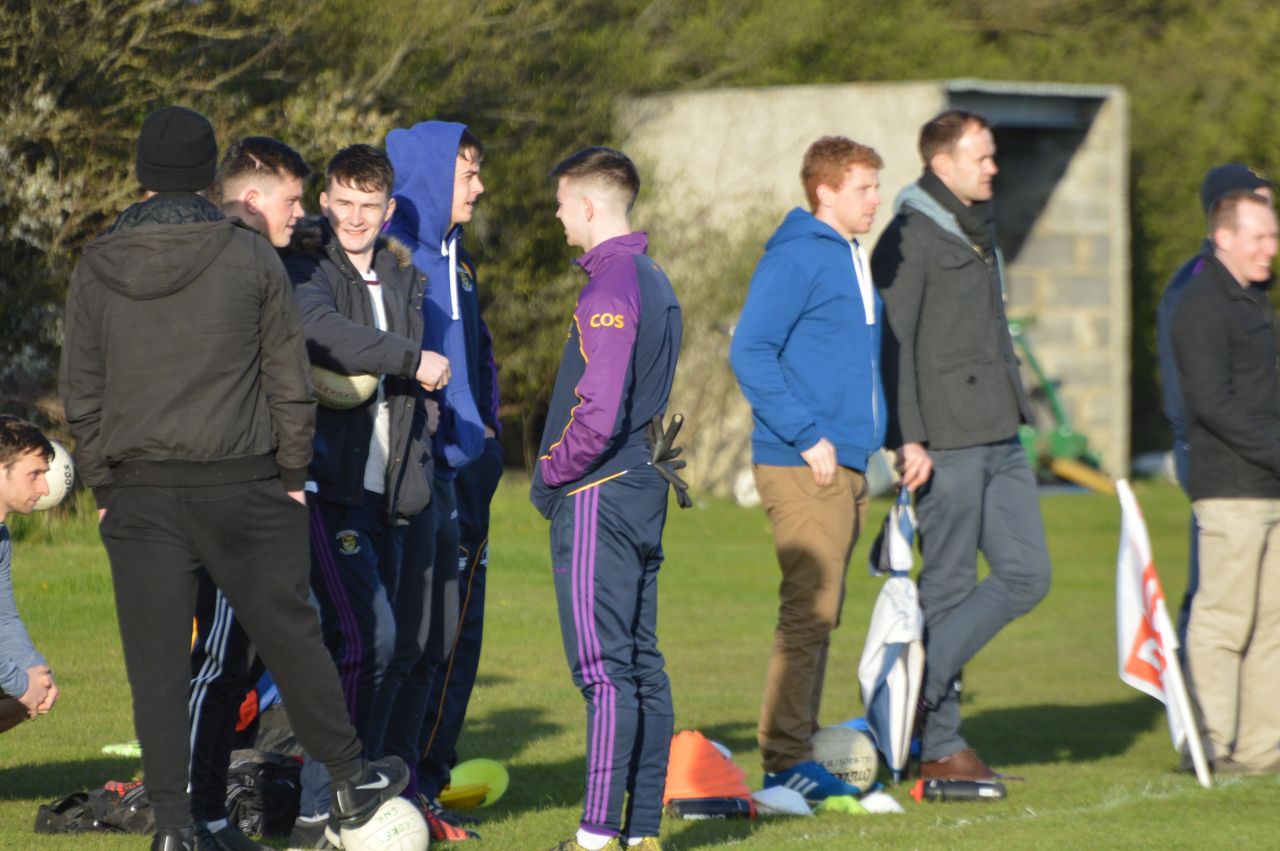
(451, 688)
(431, 550)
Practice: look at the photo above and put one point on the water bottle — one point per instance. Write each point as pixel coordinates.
(699, 809)
(958, 790)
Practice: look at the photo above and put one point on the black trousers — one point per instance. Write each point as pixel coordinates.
(251, 538)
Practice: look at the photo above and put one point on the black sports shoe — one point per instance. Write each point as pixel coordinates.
(313, 835)
(172, 840)
(229, 838)
(355, 801)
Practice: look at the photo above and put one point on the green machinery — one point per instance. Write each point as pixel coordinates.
(1059, 449)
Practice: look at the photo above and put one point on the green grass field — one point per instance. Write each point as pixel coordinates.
(1042, 700)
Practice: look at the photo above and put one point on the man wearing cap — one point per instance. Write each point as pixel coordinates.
(1219, 181)
(1225, 345)
(184, 377)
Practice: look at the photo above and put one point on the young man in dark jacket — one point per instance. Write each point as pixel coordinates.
(185, 385)
(1220, 181)
(1227, 350)
(259, 181)
(607, 503)
(806, 353)
(358, 296)
(955, 404)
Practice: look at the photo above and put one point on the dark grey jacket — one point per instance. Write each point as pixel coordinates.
(1226, 348)
(182, 360)
(950, 373)
(337, 318)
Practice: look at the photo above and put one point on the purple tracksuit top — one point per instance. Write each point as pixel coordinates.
(616, 372)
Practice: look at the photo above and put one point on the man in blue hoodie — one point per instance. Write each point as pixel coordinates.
(441, 602)
(806, 353)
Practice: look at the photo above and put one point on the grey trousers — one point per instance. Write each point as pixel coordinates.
(980, 498)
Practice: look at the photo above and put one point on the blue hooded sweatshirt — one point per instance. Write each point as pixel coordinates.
(806, 351)
(424, 157)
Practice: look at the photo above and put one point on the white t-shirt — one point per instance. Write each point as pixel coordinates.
(375, 468)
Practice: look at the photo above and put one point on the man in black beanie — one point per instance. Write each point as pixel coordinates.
(185, 382)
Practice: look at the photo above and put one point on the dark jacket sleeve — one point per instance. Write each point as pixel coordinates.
(338, 342)
(285, 375)
(899, 272)
(81, 376)
(488, 391)
(1201, 335)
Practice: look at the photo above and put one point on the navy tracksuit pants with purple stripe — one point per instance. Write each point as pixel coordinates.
(355, 564)
(606, 548)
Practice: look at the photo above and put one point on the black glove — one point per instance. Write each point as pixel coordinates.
(663, 455)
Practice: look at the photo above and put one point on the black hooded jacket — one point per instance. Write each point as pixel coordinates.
(183, 360)
(338, 321)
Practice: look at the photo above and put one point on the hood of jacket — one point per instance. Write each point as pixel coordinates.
(424, 158)
(158, 246)
(800, 224)
(922, 202)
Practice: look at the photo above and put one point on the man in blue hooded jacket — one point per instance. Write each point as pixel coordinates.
(437, 183)
(806, 354)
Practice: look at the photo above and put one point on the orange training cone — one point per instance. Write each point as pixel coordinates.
(697, 769)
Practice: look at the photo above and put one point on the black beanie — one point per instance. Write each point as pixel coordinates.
(177, 151)
(1225, 179)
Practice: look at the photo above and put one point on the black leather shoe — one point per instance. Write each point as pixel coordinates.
(172, 840)
(228, 839)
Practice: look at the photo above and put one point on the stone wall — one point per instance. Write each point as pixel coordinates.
(1071, 281)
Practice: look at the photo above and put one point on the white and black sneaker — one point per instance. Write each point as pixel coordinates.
(355, 801)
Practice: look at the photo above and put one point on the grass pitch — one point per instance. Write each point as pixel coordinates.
(1043, 700)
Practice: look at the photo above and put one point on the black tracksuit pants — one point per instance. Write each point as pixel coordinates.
(223, 669)
(251, 538)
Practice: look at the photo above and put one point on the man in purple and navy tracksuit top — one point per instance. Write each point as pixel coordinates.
(606, 502)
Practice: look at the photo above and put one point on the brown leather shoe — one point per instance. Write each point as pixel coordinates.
(961, 765)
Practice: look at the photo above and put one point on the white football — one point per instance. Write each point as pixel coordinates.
(396, 826)
(848, 754)
(61, 476)
(341, 392)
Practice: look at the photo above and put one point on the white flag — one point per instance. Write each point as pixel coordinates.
(1145, 638)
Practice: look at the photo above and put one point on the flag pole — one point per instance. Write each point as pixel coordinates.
(1177, 685)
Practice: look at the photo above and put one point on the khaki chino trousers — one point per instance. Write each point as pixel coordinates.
(814, 530)
(1233, 638)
